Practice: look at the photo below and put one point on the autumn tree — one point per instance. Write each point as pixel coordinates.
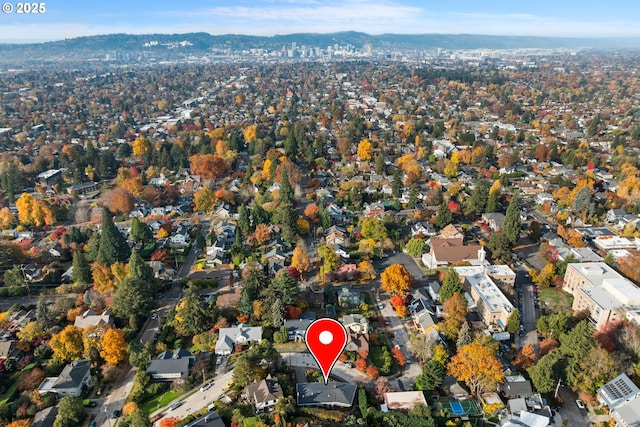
(7, 218)
(33, 211)
(208, 166)
(373, 228)
(454, 311)
(415, 247)
(526, 357)
(262, 233)
(114, 346)
(31, 332)
(299, 260)
(365, 150)
(67, 344)
(367, 271)
(119, 200)
(204, 200)
(477, 366)
(140, 146)
(396, 279)
(330, 260)
(311, 211)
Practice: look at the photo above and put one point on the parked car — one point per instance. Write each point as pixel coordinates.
(154, 316)
(116, 413)
(580, 403)
(219, 360)
(156, 417)
(176, 405)
(349, 365)
(92, 423)
(206, 386)
(89, 403)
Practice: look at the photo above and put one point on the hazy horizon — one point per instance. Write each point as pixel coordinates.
(70, 19)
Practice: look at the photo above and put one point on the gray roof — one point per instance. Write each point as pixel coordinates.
(46, 417)
(73, 374)
(264, 391)
(240, 334)
(168, 366)
(330, 394)
(212, 419)
(7, 349)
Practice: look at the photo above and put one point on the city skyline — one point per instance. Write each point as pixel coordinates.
(555, 19)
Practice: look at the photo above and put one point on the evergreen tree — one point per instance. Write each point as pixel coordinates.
(413, 196)
(286, 287)
(191, 316)
(443, 216)
(512, 223)
(286, 192)
(138, 269)
(433, 374)
(81, 269)
(396, 184)
(93, 246)
(464, 336)
(380, 164)
(133, 297)
(244, 221)
(141, 232)
(113, 246)
(477, 201)
(493, 205)
(450, 285)
(252, 284)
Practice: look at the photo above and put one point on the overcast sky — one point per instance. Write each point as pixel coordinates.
(73, 18)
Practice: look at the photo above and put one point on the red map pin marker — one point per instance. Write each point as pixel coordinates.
(326, 338)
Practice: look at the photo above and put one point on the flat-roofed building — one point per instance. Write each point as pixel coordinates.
(603, 292)
(492, 305)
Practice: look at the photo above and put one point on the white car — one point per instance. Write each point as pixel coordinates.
(580, 403)
(206, 387)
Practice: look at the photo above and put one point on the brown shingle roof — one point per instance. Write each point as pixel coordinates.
(453, 250)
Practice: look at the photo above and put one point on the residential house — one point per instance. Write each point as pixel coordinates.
(494, 220)
(229, 298)
(180, 237)
(451, 232)
(434, 291)
(515, 386)
(424, 229)
(335, 235)
(46, 417)
(348, 297)
(171, 365)
(230, 337)
(357, 342)
(622, 397)
(91, 318)
(421, 311)
(211, 419)
(84, 188)
(332, 394)
(403, 400)
(355, 323)
(72, 379)
(296, 328)
(446, 252)
(8, 350)
(341, 251)
(347, 272)
(223, 211)
(263, 395)
(315, 297)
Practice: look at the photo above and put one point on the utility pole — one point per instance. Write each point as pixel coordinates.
(555, 394)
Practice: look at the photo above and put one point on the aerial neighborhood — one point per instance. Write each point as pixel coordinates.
(170, 230)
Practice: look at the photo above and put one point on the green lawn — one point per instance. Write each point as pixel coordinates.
(158, 402)
(290, 347)
(555, 299)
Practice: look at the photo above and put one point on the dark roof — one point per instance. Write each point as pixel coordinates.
(330, 394)
(73, 374)
(46, 417)
(212, 419)
(264, 391)
(168, 366)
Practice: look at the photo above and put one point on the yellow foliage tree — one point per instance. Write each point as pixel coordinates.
(114, 346)
(129, 408)
(365, 150)
(30, 332)
(495, 187)
(396, 280)
(544, 278)
(299, 260)
(477, 366)
(32, 211)
(140, 146)
(367, 270)
(67, 344)
(20, 423)
(6, 218)
(250, 133)
(266, 170)
(204, 200)
(103, 280)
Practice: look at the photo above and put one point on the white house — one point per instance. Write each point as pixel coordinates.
(230, 337)
(73, 377)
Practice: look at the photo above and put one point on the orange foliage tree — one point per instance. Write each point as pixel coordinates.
(262, 233)
(119, 200)
(208, 166)
(526, 358)
(169, 422)
(129, 408)
(477, 366)
(396, 279)
(361, 364)
(299, 260)
(399, 356)
(454, 311)
(372, 371)
(311, 211)
(114, 346)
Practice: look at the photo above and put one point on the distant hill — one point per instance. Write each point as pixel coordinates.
(173, 45)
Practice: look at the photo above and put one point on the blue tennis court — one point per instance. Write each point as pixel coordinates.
(456, 408)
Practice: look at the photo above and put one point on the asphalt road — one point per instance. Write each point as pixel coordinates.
(528, 311)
